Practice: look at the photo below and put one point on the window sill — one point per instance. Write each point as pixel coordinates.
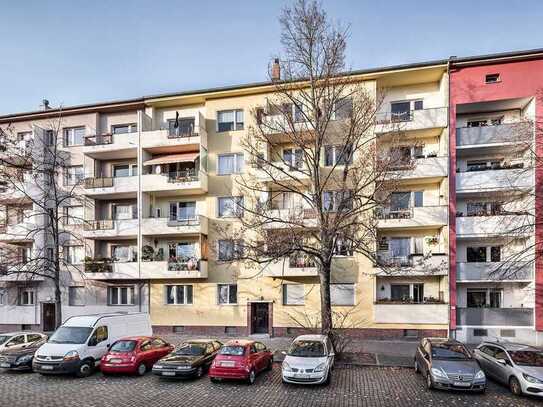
(121, 305)
(178, 305)
(228, 305)
(293, 305)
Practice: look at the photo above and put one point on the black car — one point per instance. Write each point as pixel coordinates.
(190, 359)
(20, 359)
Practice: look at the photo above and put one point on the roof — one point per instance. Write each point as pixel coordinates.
(512, 346)
(21, 333)
(90, 320)
(311, 338)
(136, 338)
(199, 341)
(239, 342)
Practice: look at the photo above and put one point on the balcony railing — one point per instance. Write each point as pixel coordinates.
(101, 182)
(421, 118)
(495, 316)
(397, 213)
(190, 175)
(173, 221)
(183, 264)
(182, 132)
(105, 224)
(494, 167)
(503, 133)
(99, 140)
(301, 262)
(494, 271)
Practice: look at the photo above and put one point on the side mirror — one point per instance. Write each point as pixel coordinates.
(502, 361)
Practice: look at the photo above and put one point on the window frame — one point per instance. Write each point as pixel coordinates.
(69, 133)
(132, 128)
(131, 295)
(175, 298)
(67, 256)
(237, 203)
(235, 249)
(239, 163)
(229, 286)
(68, 177)
(31, 296)
(236, 126)
(285, 289)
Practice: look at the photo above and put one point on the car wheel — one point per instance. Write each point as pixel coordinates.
(141, 369)
(328, 378)
(417, 370)
(429, 384)
(199, 372)
(85, 369)
(514, 386)
(252, 377)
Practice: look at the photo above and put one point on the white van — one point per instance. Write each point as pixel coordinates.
(79, 343)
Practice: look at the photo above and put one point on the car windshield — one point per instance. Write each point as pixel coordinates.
(190, 349)
(450, 351)
(307, 349)
(4, 339)
(527, 358)
(232, 350)
(123, 346)
(71, 334)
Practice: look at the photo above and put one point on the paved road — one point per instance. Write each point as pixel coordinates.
(351, 386)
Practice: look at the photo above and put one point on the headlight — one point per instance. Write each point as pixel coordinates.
(157, 367)
(320, 368)
(532, 379)
(24, 359)
(438, 372)
(71, 355)
(480, 375)
(286, 367)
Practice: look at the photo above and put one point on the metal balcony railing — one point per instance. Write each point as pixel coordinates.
(100, 182)
(189, 175)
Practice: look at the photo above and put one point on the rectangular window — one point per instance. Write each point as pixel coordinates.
(400, 111)
(335, 200)
(476, 254)
(338, 155)
(418, 292)
(418, 198)
(400, 248)
(230, 207)
(76, 296)
(73, 215)
(182, 127)
(293, 294)
(122, 253)
(344, 109)
(74, 254)
(123, 211)
(400, 201)
(495, 253)
(229, 120)
(178, 294)
(229, 250)
(418, 105)
(122, 295)
(492, 78)
(122, 170)
(74, 136)
(484, 298)
(230, 164)
(124, 128)
(180, 211)
(73, 175)
(293, 157)
(480, 332)
(343, 247)
(227, 293)
(26, 296)
(342, 294)
(400, 292)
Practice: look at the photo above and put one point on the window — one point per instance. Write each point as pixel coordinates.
(124, 128)
(418, 105)
(334, 200)
(73, 175)
(342, 294)
(123, 211)
(230, 207)
(74, 254)
(179, 294)
(229, 120)
(230, 164)
(476, 254)
(99, 335)
(123, 295)
(484, 298)
(400, 247)
(293, 157)
(293, 294)
(227, 293)
(495, 253)
(26, 296)
(17, 340)
(182, 251)
(338, 155)
(492, 78)
(400, 111)
(76, 296)
(182, 127)
(121, 253)
(182, 211)
(73, 215)
(400, 200)
(343, 247)
(480, 332)
(230, 249)
(33, 338)
(50, 137)
(400, 292)
(74, 136)
(124, 170)
(418, 198)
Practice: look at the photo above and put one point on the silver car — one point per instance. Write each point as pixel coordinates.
(518, 366)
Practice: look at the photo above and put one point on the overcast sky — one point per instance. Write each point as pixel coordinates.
(74, 52)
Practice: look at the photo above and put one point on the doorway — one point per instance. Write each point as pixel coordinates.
(48, 316)
(260, 318)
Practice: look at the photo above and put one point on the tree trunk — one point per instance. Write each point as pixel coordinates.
(58, 304)
(326, 304)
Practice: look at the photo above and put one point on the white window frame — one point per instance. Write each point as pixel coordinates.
(239, 163)
(237, 206)
(68, 136)
(285, 289)
(132, 128)
(236, 123)
(131, 295)
(228, 285)
(31, 297)
(176, 300)
(68, 255)
(338, 286)
(71, 178)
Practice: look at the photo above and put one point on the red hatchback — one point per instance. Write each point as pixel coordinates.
(134, 355)
(241, 359)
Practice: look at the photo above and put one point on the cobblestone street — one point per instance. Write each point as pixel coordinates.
(351, 386)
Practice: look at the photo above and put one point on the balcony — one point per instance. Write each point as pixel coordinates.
(503, 136)
(436, 264)
(109, 228)
(182, 182)
(513, 271)
(295, 266)
(411, 313)
(510, 225)
(20, 232)
(495, 317)
(291, 217)
(189, 136)
(109, 187)
(191, 268)
(412, 218)
(414, 120)
(167, 226)
(111, 146)
(486, 179)
(103, 270)
(424, 169)
(280, 171)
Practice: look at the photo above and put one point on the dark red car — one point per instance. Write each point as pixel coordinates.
(241, 359)
(134, 355)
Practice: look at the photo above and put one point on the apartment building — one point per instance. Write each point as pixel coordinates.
(159, 181)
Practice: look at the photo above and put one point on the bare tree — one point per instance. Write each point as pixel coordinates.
(334, 174)
(37, 176)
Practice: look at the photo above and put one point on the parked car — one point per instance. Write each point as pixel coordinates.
(242, 360)
(78, 345)
(134, 355)
(448, 364)
(19, 340)
(190, 359)
(21, 358)
(310, 359)
(516, 365)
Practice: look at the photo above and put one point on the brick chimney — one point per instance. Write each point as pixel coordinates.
(276, 70)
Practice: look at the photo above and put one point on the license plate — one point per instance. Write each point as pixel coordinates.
(462, 384)
(168, 373)
(115, 360)
(46, 367)
(4, 365)
(228, 364)
(301, 376)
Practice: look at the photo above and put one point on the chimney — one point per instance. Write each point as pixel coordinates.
(276, 70)
(45, 104)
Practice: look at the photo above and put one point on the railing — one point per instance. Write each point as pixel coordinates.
(98, 266)
(492, 212)
(495, 316)
(388, 213)
(502, 133)
(183, 176)
(172, 222)
(105, 224)
(183, 264)
(297, 261)
(99, 140)
(495, 167)
(182, 132)
(495, 271)
(101, 182)
(431, 115)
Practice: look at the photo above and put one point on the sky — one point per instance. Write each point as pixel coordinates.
(76, 52)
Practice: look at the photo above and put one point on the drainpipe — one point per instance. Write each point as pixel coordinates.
(449, 195)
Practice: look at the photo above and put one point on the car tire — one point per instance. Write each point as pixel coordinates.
(416, 365)
(328, 378)
(85, 369)
(252, 377)
(214, 380)
(514, 386)
(199, 371)
(429, 384)
(141, 370)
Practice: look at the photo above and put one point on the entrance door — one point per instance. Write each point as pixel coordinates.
(48, 317)
(260, 317)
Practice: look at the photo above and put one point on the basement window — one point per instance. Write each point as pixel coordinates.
(492, 78)
(508, 333)
(178, 329)
(480, 332)
(230, 330)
